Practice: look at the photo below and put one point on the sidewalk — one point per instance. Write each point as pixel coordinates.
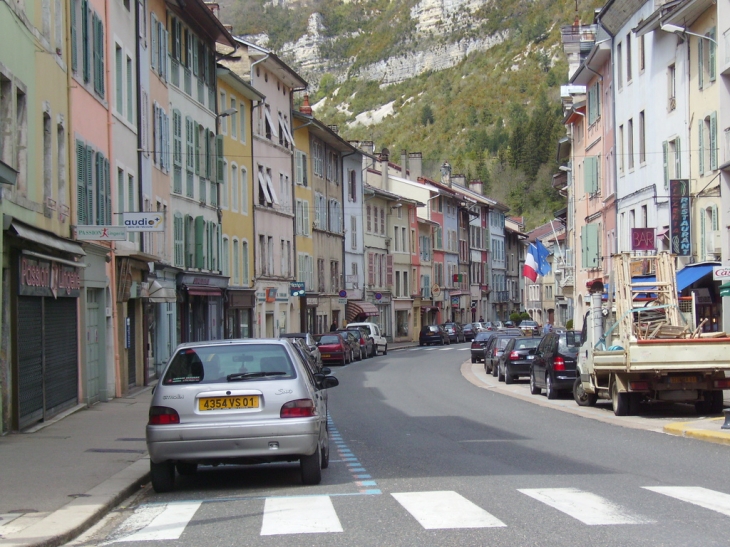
(63, 477)
(704, 429)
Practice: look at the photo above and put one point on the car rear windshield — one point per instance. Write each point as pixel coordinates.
(528, 343)
(430, 328)
(569, 342)
(483, 336)
(502, 343)
(528, 324)
(234, 363)
(327, 339)
(356, 333)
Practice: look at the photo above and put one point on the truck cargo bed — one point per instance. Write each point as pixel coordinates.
(676, 355)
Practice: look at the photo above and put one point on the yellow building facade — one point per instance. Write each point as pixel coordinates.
(303, 208)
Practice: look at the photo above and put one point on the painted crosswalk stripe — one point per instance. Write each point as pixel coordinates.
(463, 349)
(704, 497)
(584, 506)
(300, 515)
(167, 523)
(446, 349)
(446, 509)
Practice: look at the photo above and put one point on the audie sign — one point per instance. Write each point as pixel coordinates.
(144, 222)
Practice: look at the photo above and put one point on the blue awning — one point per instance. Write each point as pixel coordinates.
(690, 274)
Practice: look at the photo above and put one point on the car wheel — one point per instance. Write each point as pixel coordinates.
(533, 386)
(163, 476)
(385, 350)
(473, 360)
(186, 469)
(500, 372)
(495, 372)
(508, 378)
(326, 452)
(311, 467)
(344, 359)
(581, 397)
(550, 390)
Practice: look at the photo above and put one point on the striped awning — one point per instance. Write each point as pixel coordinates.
(355, 309)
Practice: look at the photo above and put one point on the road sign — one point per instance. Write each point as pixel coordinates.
(101, 233)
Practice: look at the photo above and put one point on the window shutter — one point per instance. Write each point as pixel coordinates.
(219, 158)
(713, 51)
(700, 63)
(154, 53)
(715, 223)
(189, 242)
(353, 232)
(703, 235)
(176, 138)
(588, 171)
(177, 30)
(299, 212)
(108, 184)
(701, 139)
(307, 225)
(165, 49)
(199, 242)
(74, 51)
(598, 99)
(86, 61)
(371, 269)
(317, 216)
(713, 141)
(189, 150)
(389, 270)
(179, 235)
(196, 133)
(81, 214)
(101, 58)
(368, 218)
(304, 169)
(677, 159)
(89, 173)
(665, 152)
(592, 248)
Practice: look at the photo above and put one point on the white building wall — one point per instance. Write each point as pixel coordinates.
(354, 240)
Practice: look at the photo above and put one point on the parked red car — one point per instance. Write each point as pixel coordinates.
(334, 348)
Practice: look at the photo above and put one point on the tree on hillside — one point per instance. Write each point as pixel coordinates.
(427, 115)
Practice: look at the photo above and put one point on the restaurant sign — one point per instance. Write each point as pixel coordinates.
(679, 217)
(38, 277)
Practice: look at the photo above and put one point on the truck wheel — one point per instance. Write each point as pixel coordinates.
(581, 397)
(620, 401)
(533, 386)
(718, 402)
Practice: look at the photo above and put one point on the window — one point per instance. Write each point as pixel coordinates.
(234, 187)
(130, 93)
(352, 185)
(642, 137)
(671, 87)
(403, 241)
(244, 190)
(93, 186)
(98, 50)
(706, 66)
(236, 263)
(318, 161)
(47, 158)
(242, 123)
(642, 54)
(223, 119)
(707, 139)
(234, 127)
(619, 65)
(382, 221)
(671, 151)
(245, 265)
(225, 257)
(628, 57)
(396, 238)
(594, 103)
(630, 143)
(353, 232)
(335, 216)
(621, 149)
(224, 186)
(368, 224)
(119, 83)
(300, 175)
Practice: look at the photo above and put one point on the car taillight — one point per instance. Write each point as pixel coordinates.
(559, 363)
(475, 345)
(300, 408)
(162, 415)
(724, 384)
(495, 351)
(638, 386)
(514, 355)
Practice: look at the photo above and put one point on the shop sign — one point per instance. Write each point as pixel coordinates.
(454, 301)
(725, 289)
(271, 294)
(190, 280)
(702, 296)
(643, 239)
(342, 300)
(40, 277)
(679, 207)
(144, 222)
(297, 288)
(101, 233)
(312, 301)
(721, 273)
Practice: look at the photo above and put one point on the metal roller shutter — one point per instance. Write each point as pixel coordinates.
(61, 340)
(30, 359)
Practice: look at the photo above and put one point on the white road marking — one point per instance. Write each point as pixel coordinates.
(464, 349)
(446, 349)
(446, 509)
(704, 497)
(159, 522)
(584, 506)
(300, 515)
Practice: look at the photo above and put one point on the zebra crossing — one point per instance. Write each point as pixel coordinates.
(432, 510)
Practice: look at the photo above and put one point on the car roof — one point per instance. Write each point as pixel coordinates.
(232, 341)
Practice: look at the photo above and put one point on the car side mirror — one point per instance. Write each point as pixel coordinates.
(326, 371)
(328, 382)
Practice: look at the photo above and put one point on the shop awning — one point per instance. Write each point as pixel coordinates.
(360, 308)
(204, 291)
(425, 309)
(46, 238)
(161, 295)
(690, 274)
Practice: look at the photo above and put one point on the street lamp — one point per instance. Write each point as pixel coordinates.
(227, 112)
(676, 29)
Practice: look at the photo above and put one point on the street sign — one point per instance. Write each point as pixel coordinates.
(144, 222)
(101, 233)
(343, 294)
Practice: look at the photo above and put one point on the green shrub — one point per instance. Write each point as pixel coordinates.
(569, 324)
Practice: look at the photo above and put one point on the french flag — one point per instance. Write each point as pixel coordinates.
(530, 268)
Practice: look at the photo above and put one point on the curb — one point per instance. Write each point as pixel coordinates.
(686, 429)
(79, 515)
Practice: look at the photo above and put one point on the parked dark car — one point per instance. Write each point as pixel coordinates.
(314, 360)
(479, 343)
(530, 327)
(433, 334)
(367, 346)
(354, 343)
(470, 331)
(516, 359)
(334, 348)
(456, 334)
(496, 346)
(555, 363)
(308, 340)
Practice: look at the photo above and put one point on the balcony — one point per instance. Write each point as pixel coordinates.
(500, 296)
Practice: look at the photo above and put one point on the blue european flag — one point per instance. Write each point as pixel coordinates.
(543, 267)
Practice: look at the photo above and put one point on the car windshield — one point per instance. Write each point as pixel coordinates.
(528, 324)
(529, 343)
(356, 333)
(569, 342)
(327, 339)
(230, 363)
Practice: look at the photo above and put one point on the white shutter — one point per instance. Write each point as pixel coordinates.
(306, 222)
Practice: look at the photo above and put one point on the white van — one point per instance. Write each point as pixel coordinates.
(379, 341)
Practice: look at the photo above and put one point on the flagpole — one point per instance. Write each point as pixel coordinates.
(560, 251)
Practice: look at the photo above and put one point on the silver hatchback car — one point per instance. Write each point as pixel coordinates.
(238, 402)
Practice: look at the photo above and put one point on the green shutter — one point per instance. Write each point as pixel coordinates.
(86, 61)
(219, 158)
(177, 138)
(715, 220)
(713, 141)
(665, 152)
(700, 63)
(189, 242)
(703, 235)
(713, 51)
(189, 146)
(199, 242)
(196, 133)
(588, 182)
(80, 183)
(100, 191)
(206, 138)
(153, 37)
(195, 55)
(701, 140)
(178, 234)
(89, 174)
(591, 251)
(74, 50)
(108, 185)
(598, 99)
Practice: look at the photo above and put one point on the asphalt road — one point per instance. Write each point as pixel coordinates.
(420, 457)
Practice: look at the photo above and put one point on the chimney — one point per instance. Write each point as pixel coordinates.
(446, 174)
(215, 8)
(415, 160)
(304, 108)
(384, 159)
(476, 186)
(404, 164)
(459, 179)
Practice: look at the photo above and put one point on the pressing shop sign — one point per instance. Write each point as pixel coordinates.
(40, 277)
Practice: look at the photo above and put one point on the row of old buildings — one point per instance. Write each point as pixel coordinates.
(645, 162)
(159, 186)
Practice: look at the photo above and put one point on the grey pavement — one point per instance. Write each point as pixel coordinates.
(58, 479)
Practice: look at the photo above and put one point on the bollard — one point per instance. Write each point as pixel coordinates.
(726, 425)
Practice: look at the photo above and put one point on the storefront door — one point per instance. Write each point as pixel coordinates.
(94, 341)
